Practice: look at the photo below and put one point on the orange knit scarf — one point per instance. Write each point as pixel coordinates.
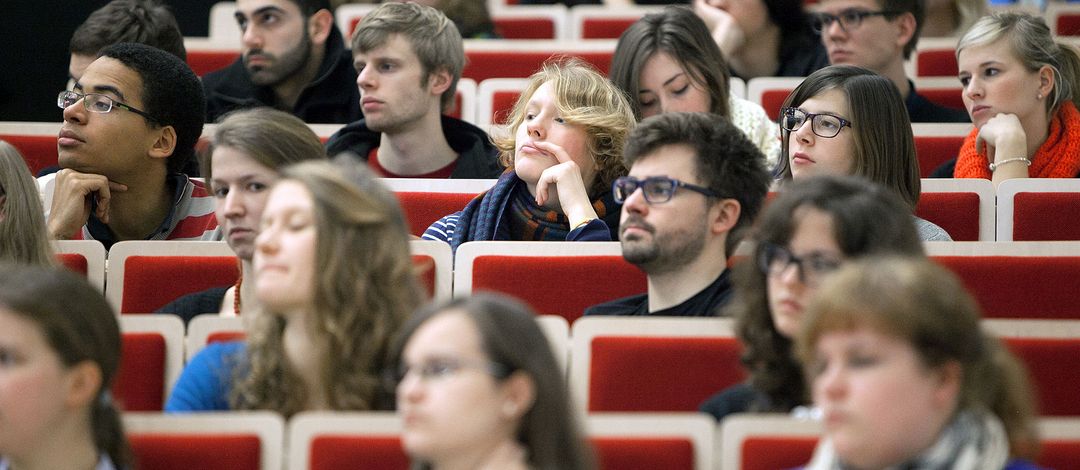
(1058, 157)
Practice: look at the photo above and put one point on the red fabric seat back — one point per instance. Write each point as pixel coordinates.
(485, 64)
(525, 28)
(1020, 286)
(1054, 366)
(150, 282)
(225, 336)
(331, 452)
(1059, 453)
(936, 63)
(502, 104)
(140, 381)
(660, 373)
(231, 451)
(554, 285)
(425, 272)
(203, 62)
(605, 28)
(770, 453)
(1068, 24)
(620, 453)
(1042, 216)
(772, 101)
(425, 208)
(947, 97)
(75, 262)
(956, 212)
(932, 151)
(39, 151)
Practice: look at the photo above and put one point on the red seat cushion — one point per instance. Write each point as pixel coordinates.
(1068, 24)
(1020, 286)
(483, 65)
(39, 151)
(660, 373)
(140, 382)
(162, 451)
(932, 151)
(525, 28)
(425, 271)
(605, 28)
(1054, 366)
(330, 452)
(562, 286)
(225, 336)
(956, 212)
(947, 97)
(203, 62)
(1059, 453)
(644, 453)
(770, 453)
(502, 104)
(150, 282)
(772, 101)
(1046, 216)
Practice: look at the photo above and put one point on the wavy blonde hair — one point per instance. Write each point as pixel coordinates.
(583, 98)
(364, 290)
(23, 237)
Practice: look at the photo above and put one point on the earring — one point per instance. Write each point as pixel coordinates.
(1039, 96)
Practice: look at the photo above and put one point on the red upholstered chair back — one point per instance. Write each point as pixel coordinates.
(233, 441)
(660, 373)
(423, 208)
(140, 381)
(949, 97)
(936, 63)
(491, 63)
(932, 151)
(550, 281)
(772, 452)
(1046, 216)
(502, 105)
(1054, 366)
(772, 101)
(668, 453)
(225, 336)
(770, 92)
(203, 62)
(1059, 453)
(150, 282)
(957, 213)
(376, 452)
(1020, 286)
(605, 28)
(75, 262)
(1068, 24)
(525, 28)
(39, 151)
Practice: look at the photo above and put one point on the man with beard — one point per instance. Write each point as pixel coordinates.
(294, 59)
(695, 183)
(409, 58)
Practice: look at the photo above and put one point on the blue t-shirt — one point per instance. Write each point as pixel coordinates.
(205, 383)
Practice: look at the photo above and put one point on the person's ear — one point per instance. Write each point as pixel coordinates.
(165, 143)
(723, 215)
(907, 25)
(1046, 80)
(83, 382)
(951, 379)
(319, 26)
(439, 81)
(519, 393)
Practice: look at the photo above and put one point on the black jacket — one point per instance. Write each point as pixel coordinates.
(477, 157)
(332, 98)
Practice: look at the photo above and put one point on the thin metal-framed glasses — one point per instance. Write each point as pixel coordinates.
(849, 19)
(438, 369)
(823, 125)
(96, 103)
(656, 189)
(774, 260)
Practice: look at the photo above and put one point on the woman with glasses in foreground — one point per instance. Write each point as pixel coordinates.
(808, 231)
(846, 120)
(478, 387)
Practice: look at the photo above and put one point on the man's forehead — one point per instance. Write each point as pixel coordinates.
(673, 160)
(108, 75)
(396, 46)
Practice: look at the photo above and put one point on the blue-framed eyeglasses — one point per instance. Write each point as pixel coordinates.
(96, 103)
(656, 189)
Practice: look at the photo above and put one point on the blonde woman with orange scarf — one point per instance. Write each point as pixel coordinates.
(1021, 89)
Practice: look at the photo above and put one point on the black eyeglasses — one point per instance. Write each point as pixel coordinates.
(823, 125)
(439, 369)
(96, 103)
(774, 260)
(656, 189)
(849, 19)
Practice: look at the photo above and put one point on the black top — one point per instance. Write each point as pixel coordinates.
(706, 303)
(477, 157)
(332, 98)
(801, 55)
(188, 306)
(921, 109)
(734, 399)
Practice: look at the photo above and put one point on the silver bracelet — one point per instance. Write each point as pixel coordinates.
(994, 166)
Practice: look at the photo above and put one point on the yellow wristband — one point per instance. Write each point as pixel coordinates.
(582, 224)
